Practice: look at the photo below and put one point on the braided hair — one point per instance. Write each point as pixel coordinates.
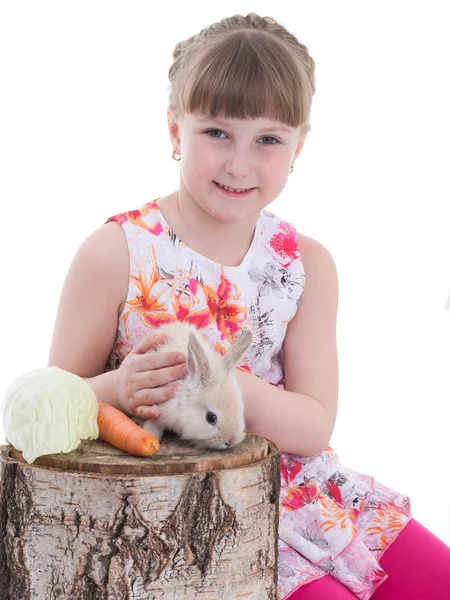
(243, 67)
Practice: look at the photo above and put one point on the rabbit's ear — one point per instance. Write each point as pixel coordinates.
(237, 350)
(197, 361)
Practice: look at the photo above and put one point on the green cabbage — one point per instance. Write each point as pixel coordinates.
(48, 411)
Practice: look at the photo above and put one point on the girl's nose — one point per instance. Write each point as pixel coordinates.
(238, 166)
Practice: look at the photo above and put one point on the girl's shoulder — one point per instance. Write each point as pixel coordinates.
(284, 229)
(286, 243)
(271, 220)
(147, 217)
(314, 253)
(106, 250)
(93, 295)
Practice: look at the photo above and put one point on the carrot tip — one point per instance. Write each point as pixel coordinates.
(120, 431)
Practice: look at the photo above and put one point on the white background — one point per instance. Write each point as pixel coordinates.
(83, 136)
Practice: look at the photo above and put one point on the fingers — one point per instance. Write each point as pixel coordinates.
(158, 360)
(151, 377)
(147, 412)
(149, 342)
(159, 377)
(145, 400)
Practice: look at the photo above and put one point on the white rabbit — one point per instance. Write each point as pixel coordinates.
(208, 408)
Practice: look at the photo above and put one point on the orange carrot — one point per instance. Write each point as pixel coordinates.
(120, 431)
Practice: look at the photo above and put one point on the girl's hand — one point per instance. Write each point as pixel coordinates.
(145, 378)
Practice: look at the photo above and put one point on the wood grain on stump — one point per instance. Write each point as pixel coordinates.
(97, 523)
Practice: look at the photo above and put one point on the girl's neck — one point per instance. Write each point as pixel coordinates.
(224, 243)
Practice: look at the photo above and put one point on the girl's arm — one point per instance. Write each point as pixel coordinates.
(93, 296)
(300, 419)
(91, 300)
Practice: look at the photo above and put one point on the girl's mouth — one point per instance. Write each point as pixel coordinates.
(235, 194)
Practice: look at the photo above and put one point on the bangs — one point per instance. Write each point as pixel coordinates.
(248, 74)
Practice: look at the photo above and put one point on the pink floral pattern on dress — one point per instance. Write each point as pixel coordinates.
(337, 520)
(333, 520)
(285, 243)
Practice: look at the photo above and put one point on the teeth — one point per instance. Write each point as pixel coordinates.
(231, 189)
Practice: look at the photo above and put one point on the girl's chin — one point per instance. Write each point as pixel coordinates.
(234, 216)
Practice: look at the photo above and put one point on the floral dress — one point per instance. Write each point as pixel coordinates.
(333, 520)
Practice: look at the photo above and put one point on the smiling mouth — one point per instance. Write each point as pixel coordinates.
(235, 191)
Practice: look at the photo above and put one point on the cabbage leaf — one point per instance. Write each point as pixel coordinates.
(48, 411)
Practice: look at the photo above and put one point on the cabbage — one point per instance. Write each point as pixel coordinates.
(48, 411)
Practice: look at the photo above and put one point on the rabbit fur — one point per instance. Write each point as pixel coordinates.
(209, 387)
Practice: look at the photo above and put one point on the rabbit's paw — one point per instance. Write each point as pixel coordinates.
(149, 425)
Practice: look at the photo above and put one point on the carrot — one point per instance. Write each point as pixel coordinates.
(120, 431)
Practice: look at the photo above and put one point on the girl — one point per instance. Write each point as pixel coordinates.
(211, 254)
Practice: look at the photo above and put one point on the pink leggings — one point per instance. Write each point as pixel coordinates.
(418, 568)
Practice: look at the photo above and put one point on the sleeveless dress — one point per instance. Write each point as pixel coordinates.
(333, 520)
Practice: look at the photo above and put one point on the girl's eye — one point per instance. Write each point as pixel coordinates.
(269, 137)
(214, 131)
(266, 137)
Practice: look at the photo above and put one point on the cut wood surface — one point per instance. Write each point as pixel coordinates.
(174, 456)
(97, 523)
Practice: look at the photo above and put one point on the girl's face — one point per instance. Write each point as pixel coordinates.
(237, 153)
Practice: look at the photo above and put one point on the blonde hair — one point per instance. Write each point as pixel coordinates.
(244, 67)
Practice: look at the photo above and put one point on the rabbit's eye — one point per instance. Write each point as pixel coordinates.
(211, 418)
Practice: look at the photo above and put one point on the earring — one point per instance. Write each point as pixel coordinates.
(292, 168)
(173, 156)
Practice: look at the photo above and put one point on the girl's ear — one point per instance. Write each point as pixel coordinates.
(302, 137)
(197, 361)
(237, 350)
(173, 126)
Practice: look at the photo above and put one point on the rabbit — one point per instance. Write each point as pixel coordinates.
(207, 409)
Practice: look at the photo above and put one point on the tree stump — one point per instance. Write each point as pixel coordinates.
(97, 523)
